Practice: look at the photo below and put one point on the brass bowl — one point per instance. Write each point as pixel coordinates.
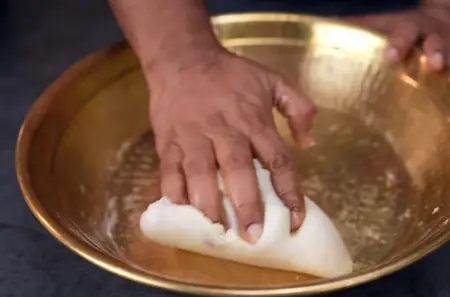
(87, 166)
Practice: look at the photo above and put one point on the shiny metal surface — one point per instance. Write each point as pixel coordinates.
(87, 166)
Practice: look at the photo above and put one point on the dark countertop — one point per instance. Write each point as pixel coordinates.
(39, 39)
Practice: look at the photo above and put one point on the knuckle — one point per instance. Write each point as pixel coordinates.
(163, 143)
(250, 113)
(260, 133)
(280, 163)
(258, 123)
(170, 161)
(291, 200)
(406, 27)
(248, 212)
(236, 161)
(434, 39)
(288, 190)
(411, 26)
(404, 35)
(170, 167)
(198, 167)
(217, 122)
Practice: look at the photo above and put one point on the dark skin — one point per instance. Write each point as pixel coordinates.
(211, 110)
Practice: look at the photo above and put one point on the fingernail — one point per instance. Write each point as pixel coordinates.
(296, 219)
(255, 232)
(391, 53)
(437, 60)
(307, 142)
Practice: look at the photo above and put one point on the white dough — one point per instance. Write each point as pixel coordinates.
(316, 248)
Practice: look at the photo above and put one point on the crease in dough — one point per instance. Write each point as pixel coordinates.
(316, 248)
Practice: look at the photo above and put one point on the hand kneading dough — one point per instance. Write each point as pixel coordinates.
(316, 248)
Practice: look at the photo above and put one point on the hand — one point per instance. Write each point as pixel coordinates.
(428, 25)
(215, 114)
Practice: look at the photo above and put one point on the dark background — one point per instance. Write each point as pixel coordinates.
(38, 40)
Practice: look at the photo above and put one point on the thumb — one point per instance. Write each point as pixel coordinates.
(298, 109)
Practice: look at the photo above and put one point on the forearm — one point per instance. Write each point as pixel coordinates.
(163, 32)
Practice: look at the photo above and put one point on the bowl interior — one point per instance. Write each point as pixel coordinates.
(88, 167)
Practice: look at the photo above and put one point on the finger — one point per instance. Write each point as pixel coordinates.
(200, 169)
(299, 110)
(236, 166)
(273, 153)
(402, 39)
(173, 183)
(433, 48)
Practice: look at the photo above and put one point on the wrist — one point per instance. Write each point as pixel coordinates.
(178, 57)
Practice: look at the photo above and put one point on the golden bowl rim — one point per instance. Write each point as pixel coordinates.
(92, 255)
